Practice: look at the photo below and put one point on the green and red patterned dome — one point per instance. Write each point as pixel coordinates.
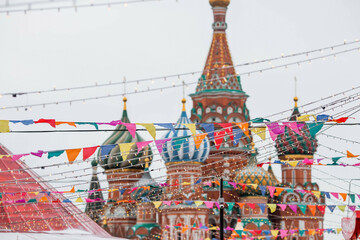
(292, 143)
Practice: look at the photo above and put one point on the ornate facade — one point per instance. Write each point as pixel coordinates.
(219, 98)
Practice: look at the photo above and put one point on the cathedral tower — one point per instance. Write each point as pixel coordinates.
(219, 97)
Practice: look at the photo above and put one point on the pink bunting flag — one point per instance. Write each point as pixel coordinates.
(115, 123)
(319, 160)
(283, 233)
(308, 161)
(131, 127)
(133, 189)
(18, 156)
(358, 196)
(282, 206)
(207, 184)
(38, 153)
(275, 129)
(293, 207)
(89, 200)
(352, 208)
(159, 144)
(217, 205)
(293, 126)
(271, 190)
(141, 145)
(300, 125)
(209, 204)
(232, 184)
(167, 203)
(229, 228)
(336, 195)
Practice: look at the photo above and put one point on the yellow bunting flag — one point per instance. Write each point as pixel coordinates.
(350, 155)
(43, 199)
(338, 230)
(341, 207)
(198, 203)
(274, 232)
(184, 229)
(343, 195)
(198, 139)
(253, 185)
(157, 204)
(72, 154)
(316, 193)
(213, 228)
(4, 126)
(293, 163)
(278, 191)
(272, 207)
(2, 156)
(305, 118)
(125, 149)
(150, 128)
(185, 183)
(191, 127)
(244, 127)
(79, 199)
(261, 132)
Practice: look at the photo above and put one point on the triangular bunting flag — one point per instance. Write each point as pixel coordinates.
(125, 149)
(79, 199)
(4, 126)
(191, 127)
(55, 153)
(262, 207)
(198, 139)
(282, 206)
(293, 207)
(263, 190)
(261, 132)
(271, 190)
(350, 155)
(251, 205)
(240, 204)
(321, 208)
(150, 128)
(312, 209)
(238, 133)
(341, 207)
(228, 127)
(343, 195)
(244, 127)
(272, 207)
(141, 145)
(88, 152)
(209, 204)
(293, 163)
(278, 191)
(316, 193)
(159, 144)
(302, 208)
(331, 207)
(72, 154)
(131, 127)
(230, 206)
(167, 125)
(274, 233)
(157, 204)
(314, 128)
(209, 129)
(218, 138)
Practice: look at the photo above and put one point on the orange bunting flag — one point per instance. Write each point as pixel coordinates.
(311, 231)
(68, 123)
(72, 190)
(343, 195)
(278, 191)
(184, 229)
(244, 127)
(350, 155)
(240, 204)
(43, 199)
(198, 139)
(72, 154)
(312, 209)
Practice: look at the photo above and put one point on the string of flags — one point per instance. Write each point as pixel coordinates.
(235, 135)
(271, 190)
(256, 234)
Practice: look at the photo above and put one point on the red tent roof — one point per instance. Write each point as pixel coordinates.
(36, 216)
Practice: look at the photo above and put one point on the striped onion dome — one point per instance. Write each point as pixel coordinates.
(183, 149)
(122, 135)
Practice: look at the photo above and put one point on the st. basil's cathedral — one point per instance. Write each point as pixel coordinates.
(219, 98)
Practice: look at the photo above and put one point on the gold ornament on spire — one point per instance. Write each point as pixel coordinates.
(219, 3)
(124, 100)
(296, 101)
(183, 102)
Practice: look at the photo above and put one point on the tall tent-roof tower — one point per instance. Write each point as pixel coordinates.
(219, 97)
(24, 211)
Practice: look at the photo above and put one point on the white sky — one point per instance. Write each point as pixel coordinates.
(67, 49)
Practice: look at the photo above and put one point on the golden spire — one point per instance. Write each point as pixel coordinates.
(183, 102)
(252, 147)
(124, 100)
(296, 101)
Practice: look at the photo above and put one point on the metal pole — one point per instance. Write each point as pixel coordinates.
(221, 203)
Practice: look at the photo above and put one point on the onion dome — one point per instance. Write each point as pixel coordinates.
(121, 135)
(292, 143)
(219, 3)
(252, 174)
(180, 148)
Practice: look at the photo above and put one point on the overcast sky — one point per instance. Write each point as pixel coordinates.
(41, 50)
